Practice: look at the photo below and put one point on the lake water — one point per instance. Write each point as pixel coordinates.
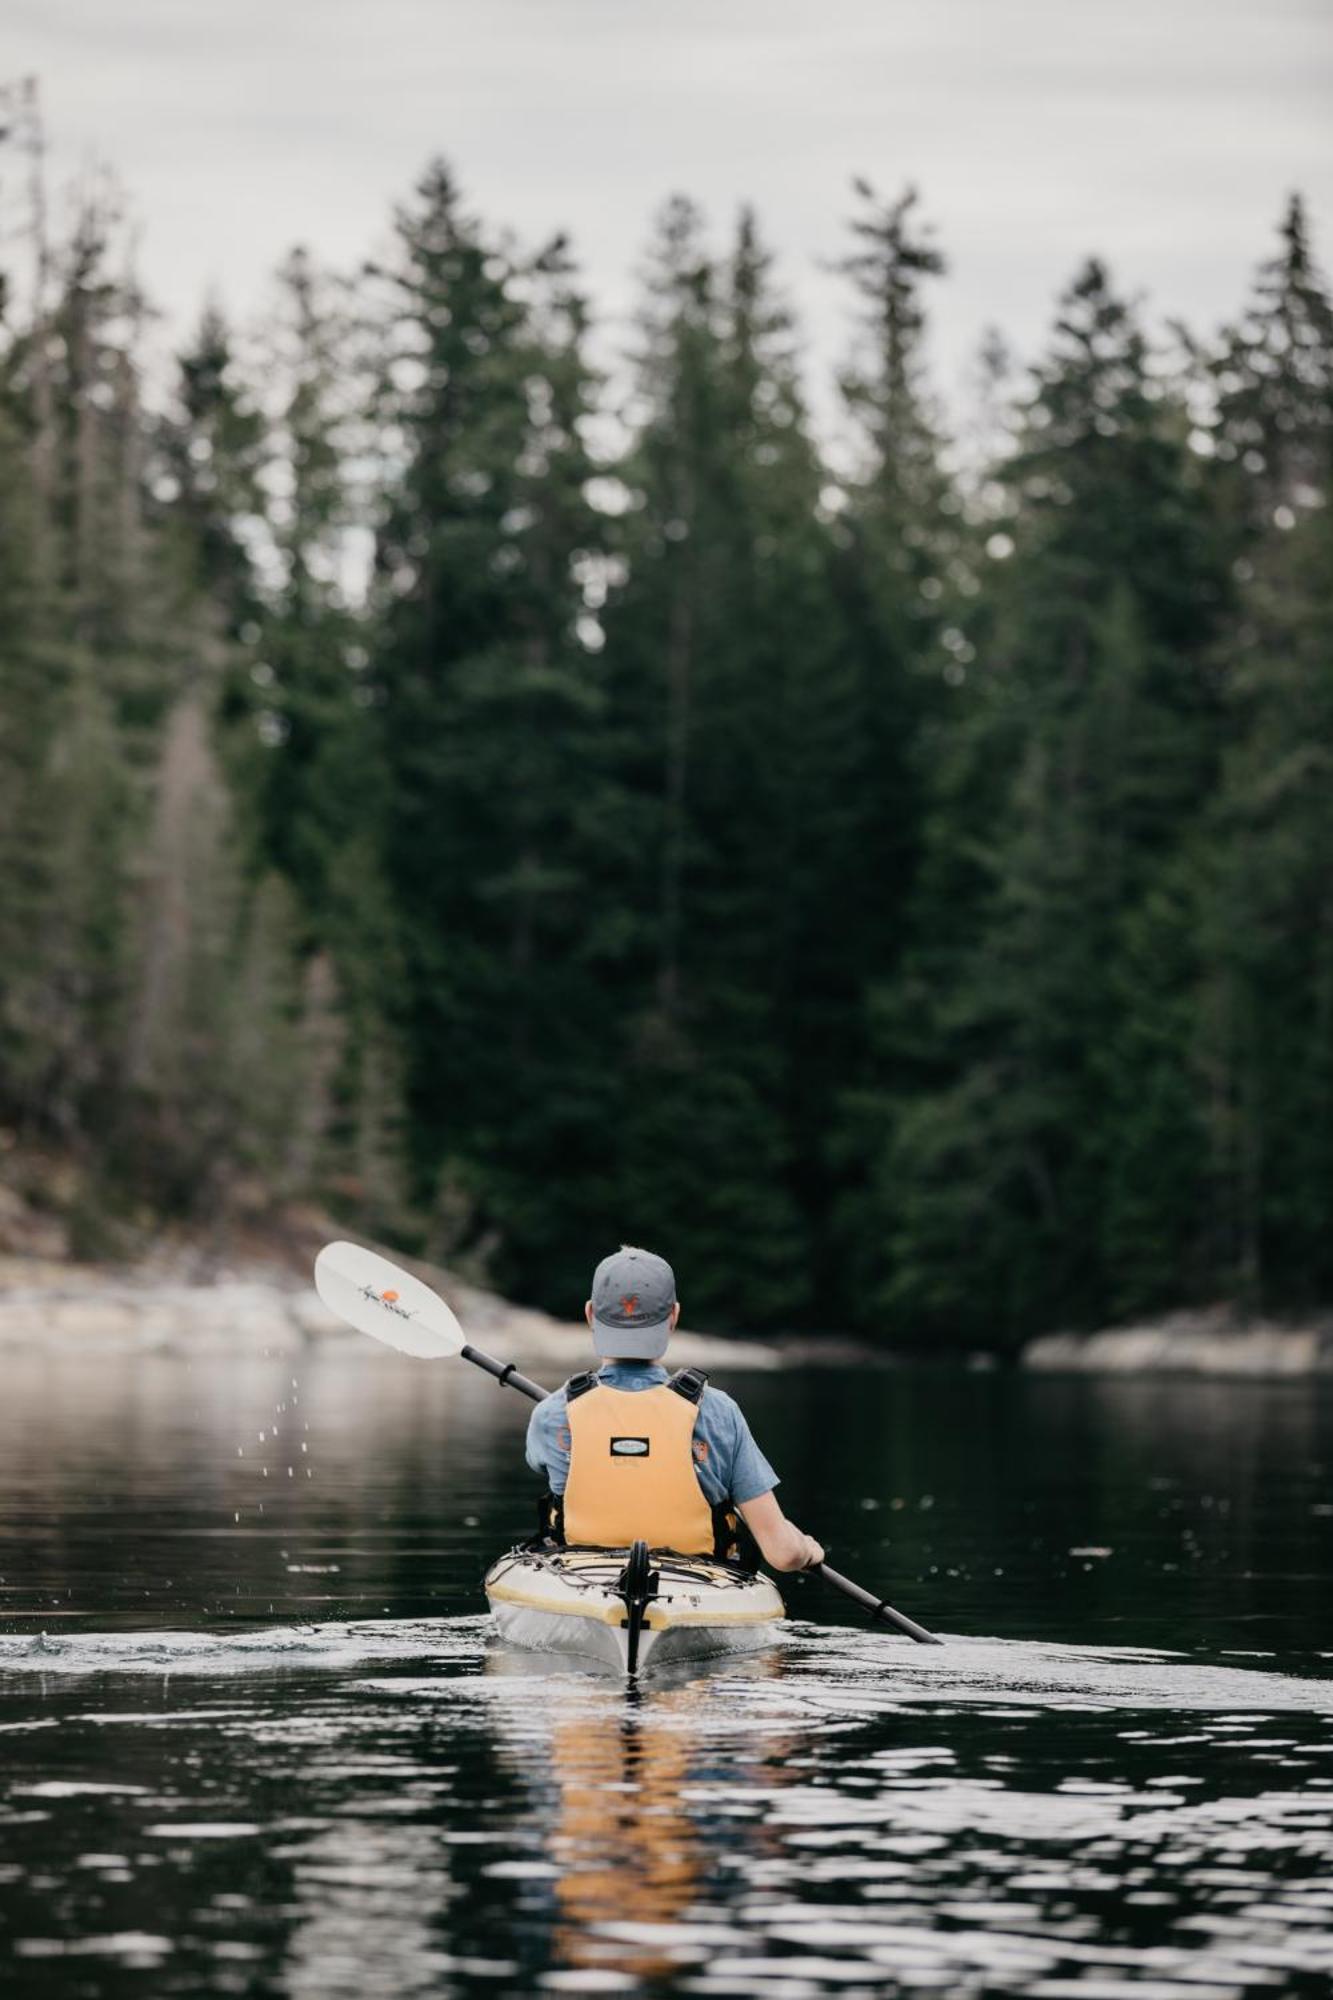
(254, 1740)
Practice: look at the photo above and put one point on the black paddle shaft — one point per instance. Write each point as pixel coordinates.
(876, 1606)
(508, 1377)
(506, 1374)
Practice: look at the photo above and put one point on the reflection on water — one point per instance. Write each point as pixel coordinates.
(622, 1785)
(353, 1792)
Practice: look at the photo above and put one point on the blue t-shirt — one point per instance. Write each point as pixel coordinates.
(729, 1463)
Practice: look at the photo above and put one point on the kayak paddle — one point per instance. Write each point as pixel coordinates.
(377, 1298)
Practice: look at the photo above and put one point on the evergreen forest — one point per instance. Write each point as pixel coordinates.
(521, 806)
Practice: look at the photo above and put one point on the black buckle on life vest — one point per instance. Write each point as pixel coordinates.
(726, 1531)
(689, 1383)
(579, 1385)
(550, 1521)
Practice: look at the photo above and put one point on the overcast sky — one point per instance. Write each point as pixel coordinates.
(1163, 134)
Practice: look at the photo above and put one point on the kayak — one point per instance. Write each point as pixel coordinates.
(629, 1608)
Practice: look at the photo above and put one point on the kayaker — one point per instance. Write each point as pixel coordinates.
(631, 1453)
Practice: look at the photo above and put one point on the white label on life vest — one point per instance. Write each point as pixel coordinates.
(629, 1447)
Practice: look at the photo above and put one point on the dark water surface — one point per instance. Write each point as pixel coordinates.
(254, 1740)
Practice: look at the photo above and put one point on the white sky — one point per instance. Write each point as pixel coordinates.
(1162, 134)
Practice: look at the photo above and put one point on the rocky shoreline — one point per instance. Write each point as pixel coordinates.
(1215, 1341)
(181, 1301)
(171, 1306)
(243, 1285)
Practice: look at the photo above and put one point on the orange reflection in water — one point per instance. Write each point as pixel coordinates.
(629, 1846)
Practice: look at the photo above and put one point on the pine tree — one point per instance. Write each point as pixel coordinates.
(64, 988)
(1272, 377)
(304, 697)
(308, 1154)
(260, 1043)
(1097, 701)
(903, 575)
(720, 647)
(1266, 846)
(904, 562)
(188, 902)
(73, 672)
(210, 453)
(900, 483)
(488, 689)
(29, 703)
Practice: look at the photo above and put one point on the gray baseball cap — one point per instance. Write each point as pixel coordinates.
(632, 1296)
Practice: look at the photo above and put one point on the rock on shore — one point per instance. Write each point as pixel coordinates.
(1215, 1341)
(161, 1306)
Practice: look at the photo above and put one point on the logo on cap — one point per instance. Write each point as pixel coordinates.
(629, 1305)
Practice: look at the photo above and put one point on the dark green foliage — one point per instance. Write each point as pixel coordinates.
(488, 698)
(1266, 928)
(303, 693)
(211, 448)
(1095, 721)
(735, 719)
(900, 893)
(72, 682)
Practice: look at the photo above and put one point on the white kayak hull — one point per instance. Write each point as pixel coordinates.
(565, 1601)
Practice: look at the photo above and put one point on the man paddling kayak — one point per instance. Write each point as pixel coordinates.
(631, 1453)
(392, 1305)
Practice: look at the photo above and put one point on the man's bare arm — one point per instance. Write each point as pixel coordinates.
(781, 1542)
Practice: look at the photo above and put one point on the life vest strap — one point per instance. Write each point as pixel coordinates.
(689, 1383)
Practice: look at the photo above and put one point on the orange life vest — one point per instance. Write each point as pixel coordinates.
(631, 1467)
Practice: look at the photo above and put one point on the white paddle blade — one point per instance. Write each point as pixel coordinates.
(377, 1298)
